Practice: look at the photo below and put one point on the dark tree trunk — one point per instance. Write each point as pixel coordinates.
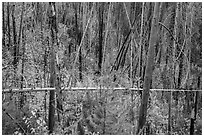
(52, 94)
(22, 69)
(21, 24)
(22, 98)
(180, 72)
(59, 92)
(169, 113)
(149, 69)
(141, 45)
(3, 26)
(8, 23)
(52, 18)
(100, 52)
(59, 97)
(44, 77)
(193, 114)
(15, 49)
(80, 66)
(192, 125)
(78, 37)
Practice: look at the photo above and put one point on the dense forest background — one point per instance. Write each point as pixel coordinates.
(141, 65)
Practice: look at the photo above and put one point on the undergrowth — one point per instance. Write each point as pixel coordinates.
(101, 112)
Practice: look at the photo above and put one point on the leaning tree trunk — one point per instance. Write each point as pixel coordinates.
(149, 69)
